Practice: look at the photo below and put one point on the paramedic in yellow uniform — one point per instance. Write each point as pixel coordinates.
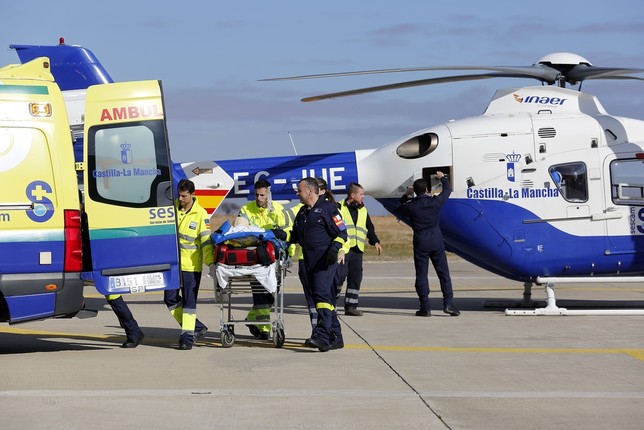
(196, 248)
(267, 214)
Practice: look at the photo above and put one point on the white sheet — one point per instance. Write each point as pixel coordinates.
(265, 275)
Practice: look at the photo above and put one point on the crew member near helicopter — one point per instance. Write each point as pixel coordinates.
(294, 250)
(320, 231)
(423, 213)
(361, 231)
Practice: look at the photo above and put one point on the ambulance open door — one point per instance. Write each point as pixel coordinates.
(128, 193)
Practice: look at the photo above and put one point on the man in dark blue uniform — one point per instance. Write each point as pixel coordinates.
(423, 212)
(126, 321)
(320, 231)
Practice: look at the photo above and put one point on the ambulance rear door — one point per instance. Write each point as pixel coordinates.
(128, 193)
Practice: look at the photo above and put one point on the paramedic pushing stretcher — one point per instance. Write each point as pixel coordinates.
(320, 231)
(264, 213)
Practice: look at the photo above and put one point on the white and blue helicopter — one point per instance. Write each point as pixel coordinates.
(548, 187)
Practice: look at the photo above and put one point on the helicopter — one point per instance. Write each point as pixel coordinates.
(548, 187)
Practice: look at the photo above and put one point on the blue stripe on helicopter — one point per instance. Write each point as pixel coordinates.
(338, 169)
(515, 243)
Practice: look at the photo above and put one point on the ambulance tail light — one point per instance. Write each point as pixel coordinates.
(73, 243)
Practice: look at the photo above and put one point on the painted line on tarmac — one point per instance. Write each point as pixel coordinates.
(283, 393)
(12, 330)
(637, 353)
(432, 277)
(539, 394)
(208, 392)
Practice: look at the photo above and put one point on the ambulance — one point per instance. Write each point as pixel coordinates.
(86, 194)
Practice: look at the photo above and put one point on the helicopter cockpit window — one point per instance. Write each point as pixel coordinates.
(571, 181)
(418, 146)
(627, 182)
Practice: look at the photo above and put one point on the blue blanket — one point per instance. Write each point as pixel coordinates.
(245, 238)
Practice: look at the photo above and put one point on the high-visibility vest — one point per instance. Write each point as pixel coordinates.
(357, 231)
(195, 246)
(289, 216)
(262, 217)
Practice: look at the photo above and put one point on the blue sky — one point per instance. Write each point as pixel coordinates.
(210, 55)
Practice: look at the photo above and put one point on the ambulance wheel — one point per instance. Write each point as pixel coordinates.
(227, 338)
(278, 337)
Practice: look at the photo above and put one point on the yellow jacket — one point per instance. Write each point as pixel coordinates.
(195, 246)
(290, 214)
(357, 232)
(262, 217)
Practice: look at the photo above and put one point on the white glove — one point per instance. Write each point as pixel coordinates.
(211, 272)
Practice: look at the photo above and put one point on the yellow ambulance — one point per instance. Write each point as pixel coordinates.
(106, 218)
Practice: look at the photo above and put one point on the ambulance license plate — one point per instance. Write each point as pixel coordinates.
(136, 283)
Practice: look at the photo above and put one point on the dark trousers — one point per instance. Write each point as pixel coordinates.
(125, 317)
(351, 271)
(183, 306)
(308, 294)
(322, 284)
(429, 245)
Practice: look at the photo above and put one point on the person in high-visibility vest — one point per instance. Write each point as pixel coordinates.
(264, 213)
(196, 249)
(360, 230)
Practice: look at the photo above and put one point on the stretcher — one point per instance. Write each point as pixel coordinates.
(237, 280)
(233, 280)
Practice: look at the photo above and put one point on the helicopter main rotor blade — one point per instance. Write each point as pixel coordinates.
(635, 78)
(417, 83)
(538, 70)
(582, 72)
(558, 68)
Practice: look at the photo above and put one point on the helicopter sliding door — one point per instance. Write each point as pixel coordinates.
(624, 213)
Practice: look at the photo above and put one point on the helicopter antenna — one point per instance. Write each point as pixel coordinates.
(292, 143)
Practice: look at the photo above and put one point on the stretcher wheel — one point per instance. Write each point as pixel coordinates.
(278, 337)
(227, 338)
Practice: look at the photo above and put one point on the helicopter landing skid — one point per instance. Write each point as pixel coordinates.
(526, 302)
(551, 302)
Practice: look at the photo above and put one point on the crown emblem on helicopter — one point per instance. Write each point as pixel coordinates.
(513, 158)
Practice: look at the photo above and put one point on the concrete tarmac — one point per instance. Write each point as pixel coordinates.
(481, 370)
